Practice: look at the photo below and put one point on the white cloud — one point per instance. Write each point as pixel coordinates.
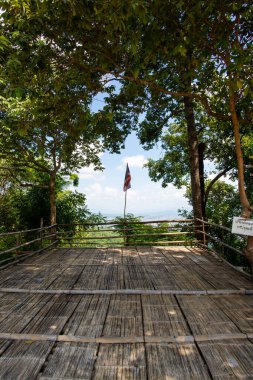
(135, 161)
(146, 199)
(90, 173)
(97, 191)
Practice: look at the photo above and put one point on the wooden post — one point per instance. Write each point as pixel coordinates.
(125, 230)
(41, 232)
(204, 232)
(18, 242)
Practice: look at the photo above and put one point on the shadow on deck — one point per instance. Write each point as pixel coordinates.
(127, 313)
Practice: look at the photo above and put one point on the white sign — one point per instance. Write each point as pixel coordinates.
(242, 226)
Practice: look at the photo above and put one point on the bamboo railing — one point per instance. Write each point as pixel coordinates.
(113, 233)
(17, 245)
(221, 240)
(20, 244)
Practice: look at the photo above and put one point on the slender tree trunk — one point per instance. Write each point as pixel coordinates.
(246, 208)
(194, 162)
(201, 149)
(52, 198)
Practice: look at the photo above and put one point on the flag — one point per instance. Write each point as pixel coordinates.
(127, 182)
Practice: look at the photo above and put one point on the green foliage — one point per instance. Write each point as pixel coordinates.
(71, 207)
(223, 204)
(57, 56)
(22, 208)
(130, 227)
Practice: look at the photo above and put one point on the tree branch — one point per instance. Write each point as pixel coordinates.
(23, 184)
(215, 179)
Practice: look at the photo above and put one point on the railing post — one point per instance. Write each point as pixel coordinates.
(53, 232)
(125, 232)
(18, 242)
(204, 231)
(41, 233)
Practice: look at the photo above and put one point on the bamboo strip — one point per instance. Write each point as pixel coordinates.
(116, 223)
(128, 291)
(32, 337)
(214, 225)
(212, 337)
(169, 339)
(126, 235)
(25, 231)
(120, 230)
(25, 244)
(126, 339)
(225, 244)
(226, 291)
(119, 245)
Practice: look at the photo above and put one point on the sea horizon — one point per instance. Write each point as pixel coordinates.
(162, 215)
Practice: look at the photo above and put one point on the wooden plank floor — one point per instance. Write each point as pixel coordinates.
(133, 313)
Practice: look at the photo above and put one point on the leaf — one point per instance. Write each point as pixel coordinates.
(246, 91)
(4, 43)
(136, 73)
(180, 49)
(239, 84)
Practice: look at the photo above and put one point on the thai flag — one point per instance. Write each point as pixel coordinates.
(127, 182)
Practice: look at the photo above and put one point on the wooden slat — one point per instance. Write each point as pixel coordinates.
(67, 278)
(136, 278)
(173, 361)
(89, 316)
(71, 361)
(23, 311)
(124, 317)
(51, 320)
(231, 359)
(23, 360)
(239, 310)
(163, 318)
(121, 361)
(205, 317)
(4, 343)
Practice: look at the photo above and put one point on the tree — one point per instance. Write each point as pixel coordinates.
(230, 43)
(173, 165)
(49, 141)
(23, 207)
(174, 50)
(184, 56)
(47, 123)
(223, 203)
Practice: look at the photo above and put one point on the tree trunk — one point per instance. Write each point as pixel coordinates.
(201, 149)
(246, 208)
(52, 199)
(193, 152)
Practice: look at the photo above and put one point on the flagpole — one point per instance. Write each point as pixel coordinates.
(125, 204)
(127, 185)
(125, 238)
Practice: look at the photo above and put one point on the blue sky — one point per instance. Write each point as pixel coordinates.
(104, 190)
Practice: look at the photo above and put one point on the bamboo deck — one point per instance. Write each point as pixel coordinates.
(131, 313)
